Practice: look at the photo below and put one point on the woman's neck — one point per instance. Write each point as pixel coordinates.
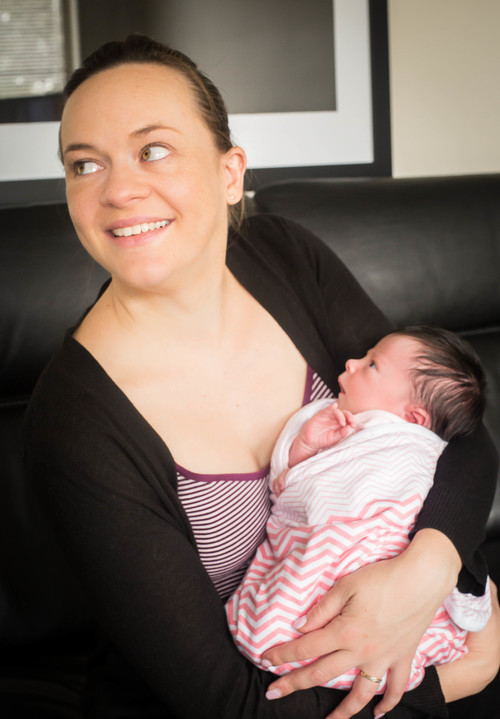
(200, 313)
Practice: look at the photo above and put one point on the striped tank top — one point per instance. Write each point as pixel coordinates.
(228, 512)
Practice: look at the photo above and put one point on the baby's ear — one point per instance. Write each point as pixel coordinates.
(417, 415)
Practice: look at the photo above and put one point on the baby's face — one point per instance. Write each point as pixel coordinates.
(381, 379)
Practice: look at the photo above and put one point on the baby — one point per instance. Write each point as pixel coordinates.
(349, 477)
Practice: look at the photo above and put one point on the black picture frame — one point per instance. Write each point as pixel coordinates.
(381, 119)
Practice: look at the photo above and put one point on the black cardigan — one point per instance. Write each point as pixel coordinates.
(109, 485)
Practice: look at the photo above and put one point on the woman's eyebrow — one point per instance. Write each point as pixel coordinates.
(77, 146)
(151, 128)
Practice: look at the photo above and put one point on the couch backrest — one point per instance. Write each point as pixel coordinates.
(426, 250)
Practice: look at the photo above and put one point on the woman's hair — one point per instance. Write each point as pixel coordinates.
(143, 50)
(448, 380)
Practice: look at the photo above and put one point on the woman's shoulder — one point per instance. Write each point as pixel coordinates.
(281, 243)
(70, 370)
(79, 422)
(276, 229)
(72, 395)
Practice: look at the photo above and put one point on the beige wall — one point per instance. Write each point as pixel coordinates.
(445, 86)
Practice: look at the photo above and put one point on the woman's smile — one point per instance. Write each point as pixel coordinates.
(137, 232)
(138, 229)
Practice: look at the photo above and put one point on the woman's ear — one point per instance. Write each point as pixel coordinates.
(417, 415)
(235, 164)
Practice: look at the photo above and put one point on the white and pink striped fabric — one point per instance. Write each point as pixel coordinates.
(347, 506)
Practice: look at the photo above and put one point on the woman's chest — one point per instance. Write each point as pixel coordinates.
(223, 414)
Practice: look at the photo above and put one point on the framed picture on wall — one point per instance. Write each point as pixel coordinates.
(306, 84)
(348, 140)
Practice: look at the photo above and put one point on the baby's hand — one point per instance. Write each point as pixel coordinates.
(279, 483)
(325, 429)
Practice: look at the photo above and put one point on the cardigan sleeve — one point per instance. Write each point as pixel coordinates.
(460, 501)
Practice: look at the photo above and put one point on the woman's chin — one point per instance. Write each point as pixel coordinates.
(147, 277)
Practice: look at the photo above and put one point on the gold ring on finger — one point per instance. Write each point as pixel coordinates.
(370, 678)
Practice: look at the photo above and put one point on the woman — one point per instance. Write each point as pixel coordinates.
(193, 356)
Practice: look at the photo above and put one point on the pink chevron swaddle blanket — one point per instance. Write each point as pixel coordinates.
(349, 505)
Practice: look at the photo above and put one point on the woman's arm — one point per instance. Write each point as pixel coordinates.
(460, 500)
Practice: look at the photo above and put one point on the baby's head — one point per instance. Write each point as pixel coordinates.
(425, 375)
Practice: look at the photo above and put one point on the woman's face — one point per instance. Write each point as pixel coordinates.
(147, 188)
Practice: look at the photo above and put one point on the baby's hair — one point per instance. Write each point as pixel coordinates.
(448, 380)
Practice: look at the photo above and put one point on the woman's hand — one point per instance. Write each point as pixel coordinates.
(372, 619)
(479, 667)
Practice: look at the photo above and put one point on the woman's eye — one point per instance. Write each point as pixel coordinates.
(154, 152)
(372, 364)
(85, 167)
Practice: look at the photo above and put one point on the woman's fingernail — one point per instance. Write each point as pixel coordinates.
(298, 623)
(266, 663)
(379, 716)
(274, 694)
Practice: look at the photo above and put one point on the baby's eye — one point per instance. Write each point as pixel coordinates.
(154, 152)
(85, 167)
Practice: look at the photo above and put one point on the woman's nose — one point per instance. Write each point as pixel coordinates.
(124, 185)
(350, 365)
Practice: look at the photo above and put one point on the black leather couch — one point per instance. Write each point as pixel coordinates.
(425, 249)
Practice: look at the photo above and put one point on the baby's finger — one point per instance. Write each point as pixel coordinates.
(349, 418)
(338, 415)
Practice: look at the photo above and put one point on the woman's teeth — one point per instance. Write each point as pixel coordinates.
(138, 229)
